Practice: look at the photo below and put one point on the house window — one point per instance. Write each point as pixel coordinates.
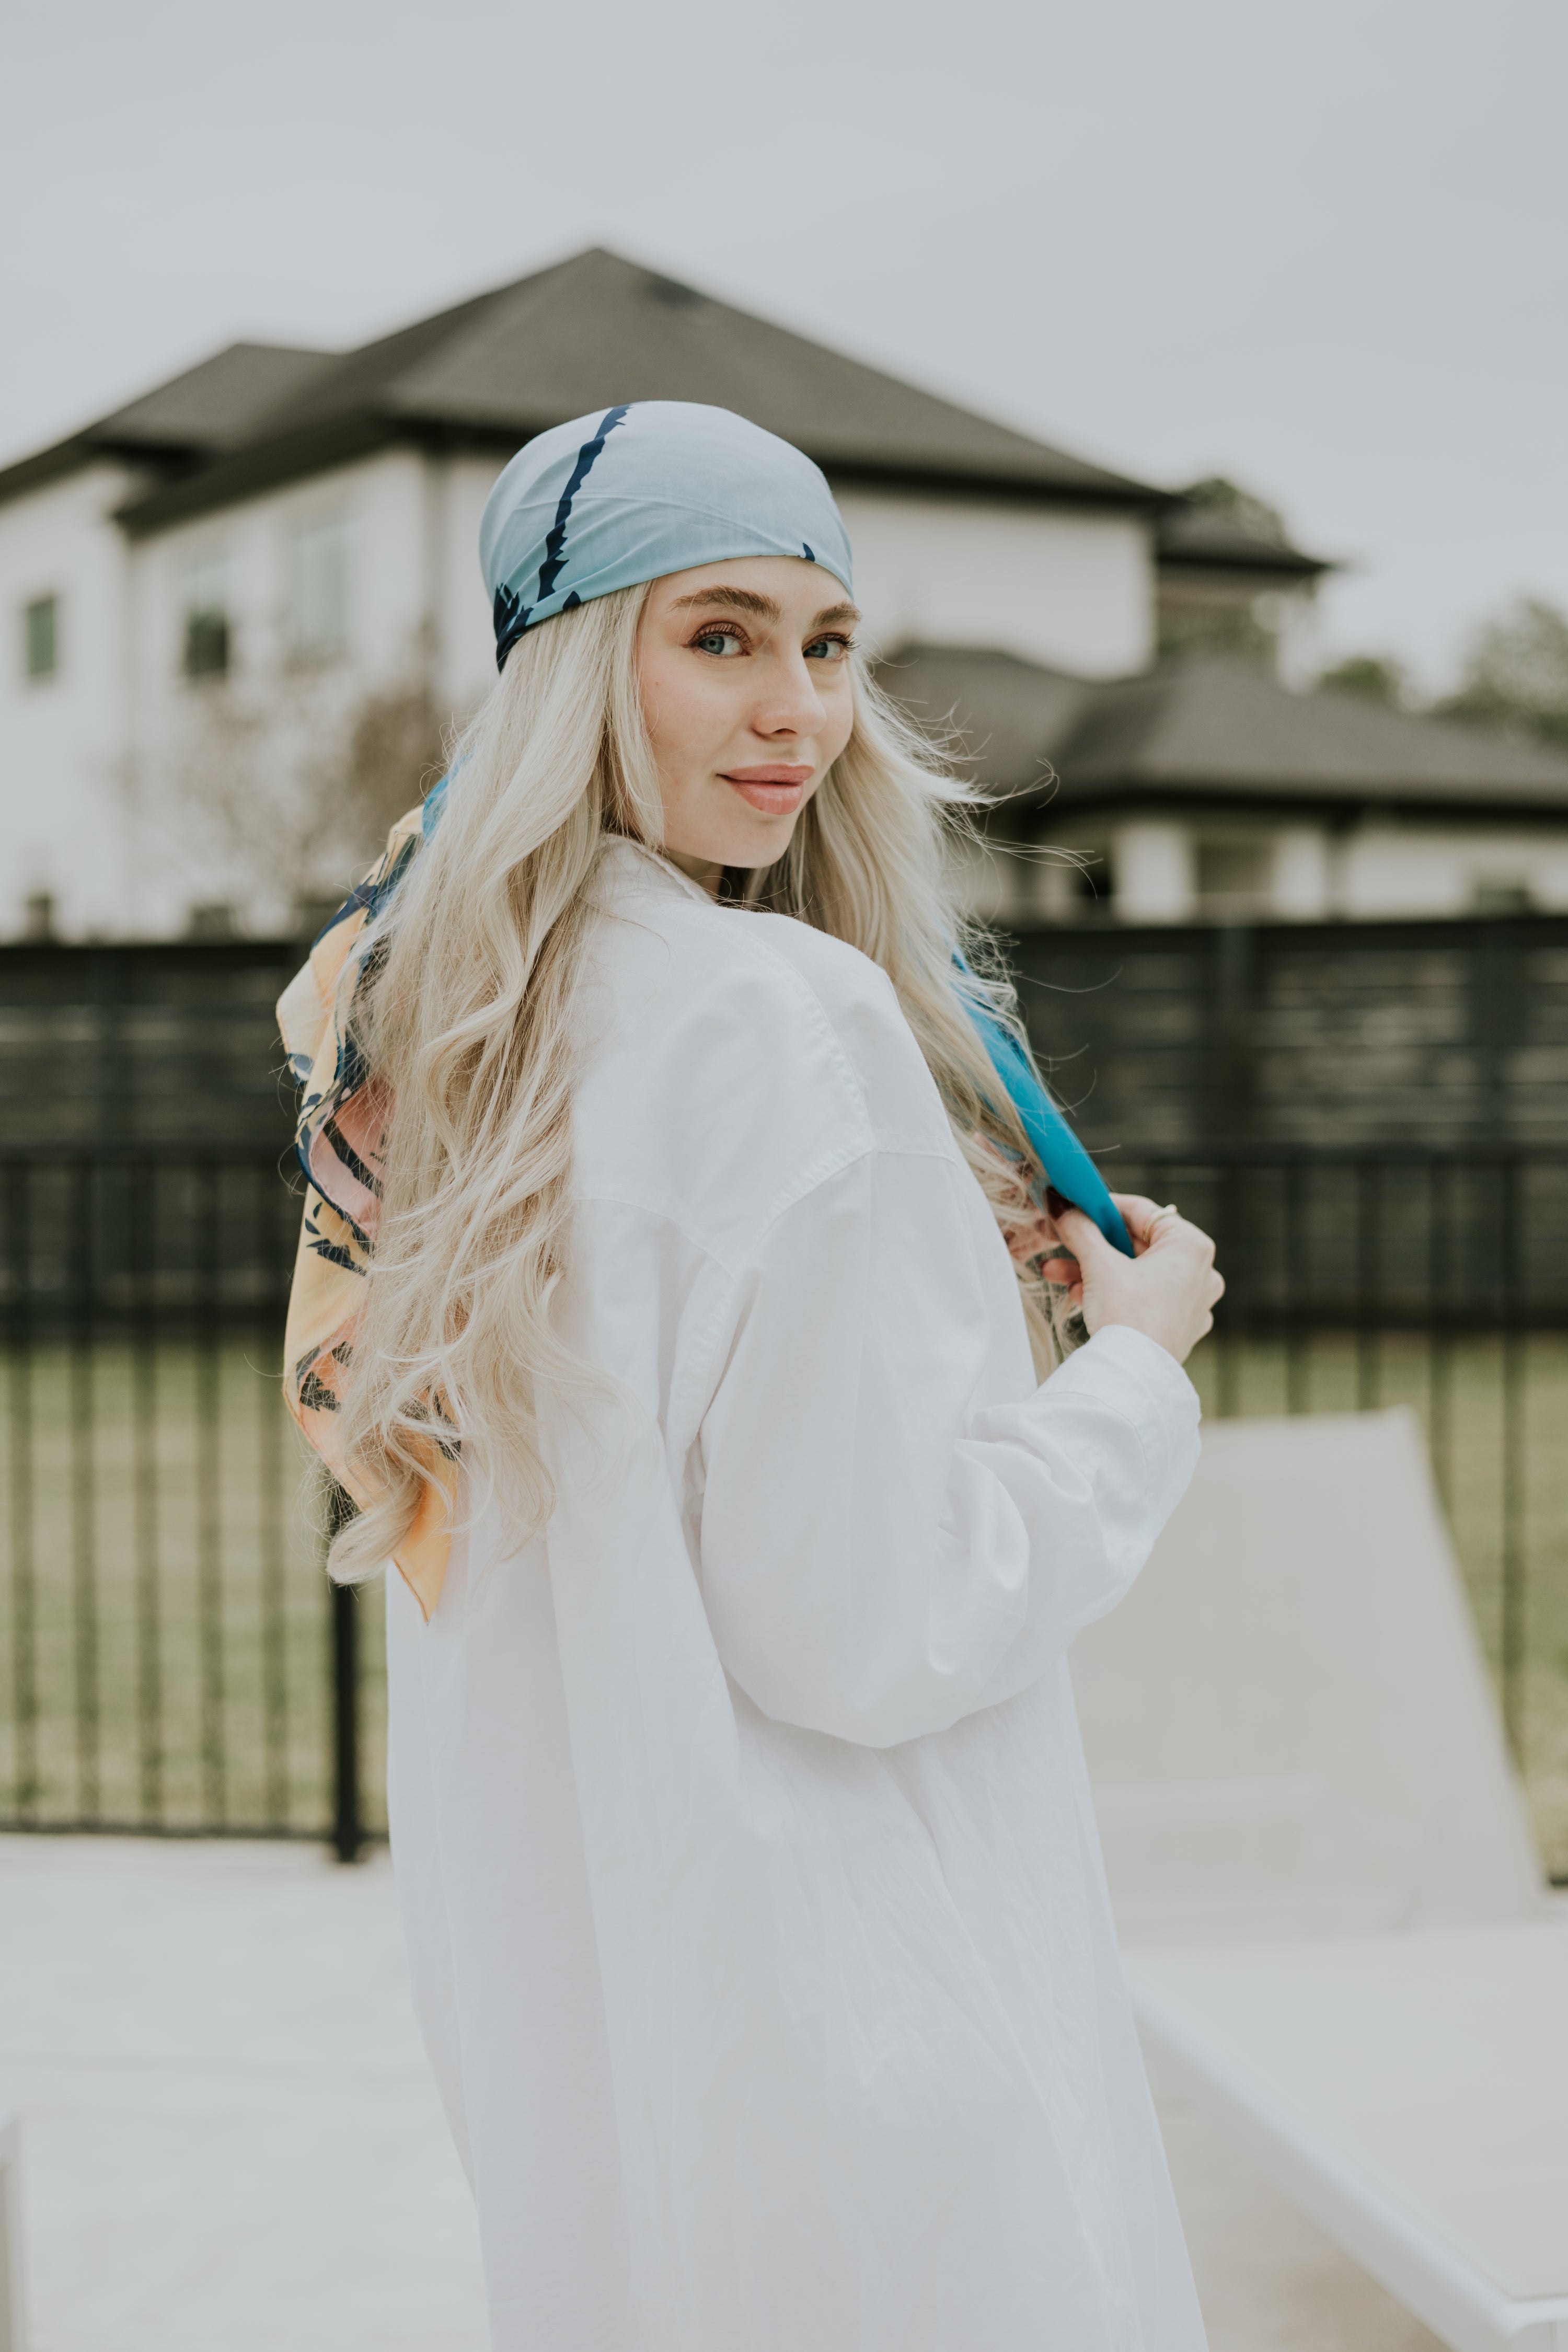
(207, 635)
(41, 637)
(1234, 876)
(319, 602)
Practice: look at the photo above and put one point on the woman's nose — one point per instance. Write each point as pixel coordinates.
(791, 704)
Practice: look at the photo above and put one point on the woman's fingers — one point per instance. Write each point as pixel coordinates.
(1084, 1238)
(1138, 1214)
(1168, 1291)
(1148, 1221)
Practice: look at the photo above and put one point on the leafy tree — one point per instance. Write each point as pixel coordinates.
(394, 757)
(1229, 628)
(1374, 677)
(1516, 674)
(1226, 501)
(281, 791)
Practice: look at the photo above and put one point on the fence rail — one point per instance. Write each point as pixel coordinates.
(174, 1663)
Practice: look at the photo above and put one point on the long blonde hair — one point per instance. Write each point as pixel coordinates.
(468, 1028)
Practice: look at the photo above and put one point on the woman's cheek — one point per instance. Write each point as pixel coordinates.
(842, 717)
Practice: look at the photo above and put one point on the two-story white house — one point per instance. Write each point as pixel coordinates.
(240, 611)
(206, 588)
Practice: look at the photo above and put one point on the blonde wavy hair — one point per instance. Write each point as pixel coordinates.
(468, 1026)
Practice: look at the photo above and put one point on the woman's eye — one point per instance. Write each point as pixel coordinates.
(717, 641)
(827, 650)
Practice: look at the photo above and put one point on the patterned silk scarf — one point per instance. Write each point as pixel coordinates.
(338, 1141)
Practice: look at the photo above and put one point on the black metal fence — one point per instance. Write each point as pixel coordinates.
(1360, 1034)
(1438, 1280)
(173, 1662)
(1357, 1034)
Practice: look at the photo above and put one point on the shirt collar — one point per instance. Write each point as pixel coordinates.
(634, 865)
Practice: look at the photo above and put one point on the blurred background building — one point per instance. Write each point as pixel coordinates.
(246, 609)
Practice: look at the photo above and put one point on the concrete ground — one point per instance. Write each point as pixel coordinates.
(231, 2143)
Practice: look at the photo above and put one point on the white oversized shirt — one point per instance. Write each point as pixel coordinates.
(753, 1901)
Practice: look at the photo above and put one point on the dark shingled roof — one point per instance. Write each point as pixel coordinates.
(1007, 717)
(599, 329)
(571, 339)
(1191, 538)
(1212, 731)
(213, 407)
(216, 405)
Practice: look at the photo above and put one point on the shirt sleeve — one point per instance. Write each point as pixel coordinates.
(882, 1549)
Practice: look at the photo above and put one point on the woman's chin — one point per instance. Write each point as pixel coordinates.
(760, 842)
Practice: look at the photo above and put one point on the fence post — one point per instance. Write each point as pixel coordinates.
(348, 1831)
(1515, 1405)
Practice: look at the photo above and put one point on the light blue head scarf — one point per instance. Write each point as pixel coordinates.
(634, 493)
(653, 487)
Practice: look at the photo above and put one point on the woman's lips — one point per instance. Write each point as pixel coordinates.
(774, 791)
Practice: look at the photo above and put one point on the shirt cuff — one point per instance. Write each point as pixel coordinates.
(1136, 1378)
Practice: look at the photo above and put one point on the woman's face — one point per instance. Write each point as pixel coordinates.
(746, 682)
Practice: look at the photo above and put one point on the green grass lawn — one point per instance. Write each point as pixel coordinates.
(179, 1657)
(164, 1620)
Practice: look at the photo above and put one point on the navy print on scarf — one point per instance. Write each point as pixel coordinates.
(510, 619)
(555, 542)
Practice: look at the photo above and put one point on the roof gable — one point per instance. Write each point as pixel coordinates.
(597, 329)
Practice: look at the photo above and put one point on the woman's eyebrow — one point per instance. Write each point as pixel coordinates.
(763, 608)
(739, 600)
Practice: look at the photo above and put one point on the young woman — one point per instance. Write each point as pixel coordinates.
(751, 1886)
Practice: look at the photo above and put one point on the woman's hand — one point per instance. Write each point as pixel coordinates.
(1168, 1291)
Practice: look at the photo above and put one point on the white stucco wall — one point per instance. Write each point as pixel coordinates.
(62, 737)
(379, 504)
(1151, 872)
(1380, 870)
(201, 749)
(1071, 588)
(1392, 869)
(466, 662)
(101, 765)
(1303, 873)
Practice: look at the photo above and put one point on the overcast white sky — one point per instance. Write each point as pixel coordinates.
(1318, 246)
